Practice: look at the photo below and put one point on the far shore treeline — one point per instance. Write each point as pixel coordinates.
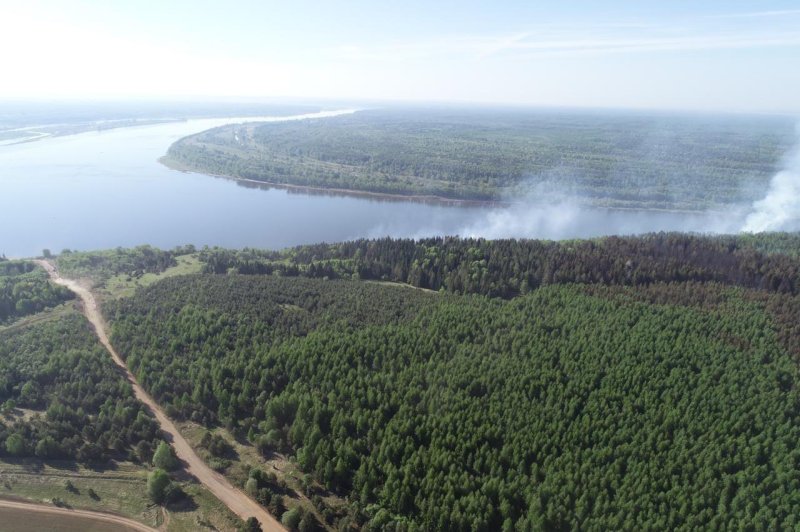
(633, 160)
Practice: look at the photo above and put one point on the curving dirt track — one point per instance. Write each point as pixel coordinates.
(236, 500)
(115, 522)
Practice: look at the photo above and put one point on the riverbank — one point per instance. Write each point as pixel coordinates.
(116, 177)
(172, 164)
(35, 133)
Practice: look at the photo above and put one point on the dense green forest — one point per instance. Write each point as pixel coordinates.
(25, 289)
(617, 383)
(581, 403)
(633, 160)
(77, 405)
(511, 267)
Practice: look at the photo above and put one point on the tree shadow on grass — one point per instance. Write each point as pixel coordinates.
(101, 467)
(184, 505)
(62, 465)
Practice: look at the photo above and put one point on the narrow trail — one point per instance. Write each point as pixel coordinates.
(128, 524)
(236, 500)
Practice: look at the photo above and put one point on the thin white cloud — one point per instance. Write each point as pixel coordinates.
(503, 44)
(57, 52)
(758, 14)
(530, 44)
(597, 38)
(666, 44)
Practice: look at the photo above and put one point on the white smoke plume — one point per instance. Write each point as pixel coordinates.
(541, 213)
(550, 213)
(779, 210)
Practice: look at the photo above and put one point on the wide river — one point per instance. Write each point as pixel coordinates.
(106, 189)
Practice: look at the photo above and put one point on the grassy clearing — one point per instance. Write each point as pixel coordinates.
(402, 285)
(121, 490)
(124, 285)
(20, 414)
(205, 512)
(40, 317)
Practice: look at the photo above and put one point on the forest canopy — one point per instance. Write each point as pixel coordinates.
(581, 403)
(629, 160)
(451, 384)
(510, 267)
(25, 289)
(80, 407)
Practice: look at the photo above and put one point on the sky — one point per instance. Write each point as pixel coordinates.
(741, 56)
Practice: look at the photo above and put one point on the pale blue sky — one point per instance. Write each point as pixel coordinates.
(714, 55)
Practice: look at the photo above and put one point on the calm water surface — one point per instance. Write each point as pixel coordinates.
(106, 189)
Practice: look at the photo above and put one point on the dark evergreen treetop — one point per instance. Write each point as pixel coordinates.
(510, 267)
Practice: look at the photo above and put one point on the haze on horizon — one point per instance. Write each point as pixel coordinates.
(717, 55)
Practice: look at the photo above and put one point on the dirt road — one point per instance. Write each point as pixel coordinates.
(115, 522)
(236, 500)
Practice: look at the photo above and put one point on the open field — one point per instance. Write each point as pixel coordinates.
(124, 285)
(119, 490)
(119, 272)
(54, 313)
(22, 516)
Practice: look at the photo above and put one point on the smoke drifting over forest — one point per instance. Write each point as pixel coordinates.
(565, 174)
(564, 216)
(780, 208)
(550, 211)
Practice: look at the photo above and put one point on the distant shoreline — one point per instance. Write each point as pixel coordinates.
(78, 129)
(414, 198)
(418, 198)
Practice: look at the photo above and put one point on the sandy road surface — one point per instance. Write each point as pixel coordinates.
(114, 520)
(236, 500)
